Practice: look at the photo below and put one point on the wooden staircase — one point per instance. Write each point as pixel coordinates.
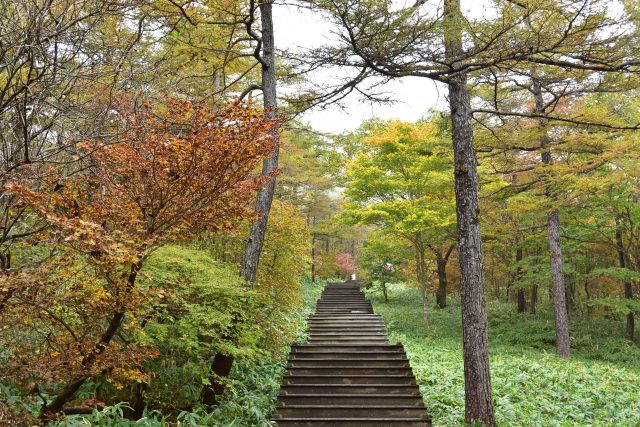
(347, 374)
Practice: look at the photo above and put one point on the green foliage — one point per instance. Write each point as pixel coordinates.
(202, 310)
(252, 387)
(619, 273)
(615, 306)
(402, 180)
(251, 397)
(532, 387)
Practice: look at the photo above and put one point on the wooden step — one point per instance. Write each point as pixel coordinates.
(351, 411)
(348, 370)
(303, 361)
(400, 379)
(349, 388)
(354, 422)
(369, 399)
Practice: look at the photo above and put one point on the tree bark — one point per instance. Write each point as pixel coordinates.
(522, 304)
(628, 288)
(421, 273)
(478, 394)
(441, 295)
(558, 290)
(264, 198)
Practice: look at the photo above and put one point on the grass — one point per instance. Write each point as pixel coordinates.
(598, 386)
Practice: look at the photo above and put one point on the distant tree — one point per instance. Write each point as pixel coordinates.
(383, 257)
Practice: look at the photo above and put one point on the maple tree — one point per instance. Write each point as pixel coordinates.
(169, 170)
(401, 181)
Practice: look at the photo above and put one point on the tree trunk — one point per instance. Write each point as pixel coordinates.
(270, 164)
(628, 289)
(313, 259)
(478, 395)
(5, 264)
(220, 369)
(522, 304)
(534, 299)
(558, 289)
(570, 291)
(441, 295)
(587, 294)
(384, 291)
(425, 309)
(421, 273)
(139, 401)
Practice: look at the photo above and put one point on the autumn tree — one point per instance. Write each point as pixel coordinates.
(51, 56)
(167, 171)
(402, 182)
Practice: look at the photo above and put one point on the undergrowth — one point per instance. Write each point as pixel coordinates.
(249, 399)
(598, 386)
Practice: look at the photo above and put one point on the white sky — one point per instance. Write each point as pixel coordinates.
(300, 28)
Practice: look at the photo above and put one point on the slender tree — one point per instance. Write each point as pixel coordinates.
(264, 198)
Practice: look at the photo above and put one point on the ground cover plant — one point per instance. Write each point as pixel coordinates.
(532, 387)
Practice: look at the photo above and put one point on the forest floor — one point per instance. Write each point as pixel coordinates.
(598, 386)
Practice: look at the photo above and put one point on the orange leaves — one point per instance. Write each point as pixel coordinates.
(167, 171)
(171, 170)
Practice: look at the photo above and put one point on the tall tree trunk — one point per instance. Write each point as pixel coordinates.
(441, 295)
(270, 164)
(522, 304)
(477, 377)
(555, 248)
(558, 289)
(628, 289)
